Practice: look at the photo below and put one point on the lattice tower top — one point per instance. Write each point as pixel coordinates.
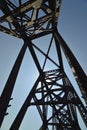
(33, 17)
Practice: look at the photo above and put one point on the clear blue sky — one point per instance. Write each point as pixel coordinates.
(72, 26)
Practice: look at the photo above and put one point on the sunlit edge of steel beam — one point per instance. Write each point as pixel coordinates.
(8, 31)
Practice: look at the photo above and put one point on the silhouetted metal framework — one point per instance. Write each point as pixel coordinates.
(53, 94)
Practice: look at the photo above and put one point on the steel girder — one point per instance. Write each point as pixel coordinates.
(52, 94)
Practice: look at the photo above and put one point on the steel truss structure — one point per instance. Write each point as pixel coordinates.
(52, 94)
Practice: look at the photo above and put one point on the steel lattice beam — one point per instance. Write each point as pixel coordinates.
(52, 90)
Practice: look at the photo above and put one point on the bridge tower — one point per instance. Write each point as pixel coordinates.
(52, 94)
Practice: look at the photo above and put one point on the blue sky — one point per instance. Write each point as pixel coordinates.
(72, 26)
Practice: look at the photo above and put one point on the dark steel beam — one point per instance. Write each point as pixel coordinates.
(41, 34)
(18, 120)
(77, 70)
(8, 89)
(30, 47)
(59, 53)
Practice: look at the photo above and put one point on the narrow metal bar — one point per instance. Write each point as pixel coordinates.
(46, 55)
(8, 89)
(58, 49)
(47, 52)
(29, 43)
